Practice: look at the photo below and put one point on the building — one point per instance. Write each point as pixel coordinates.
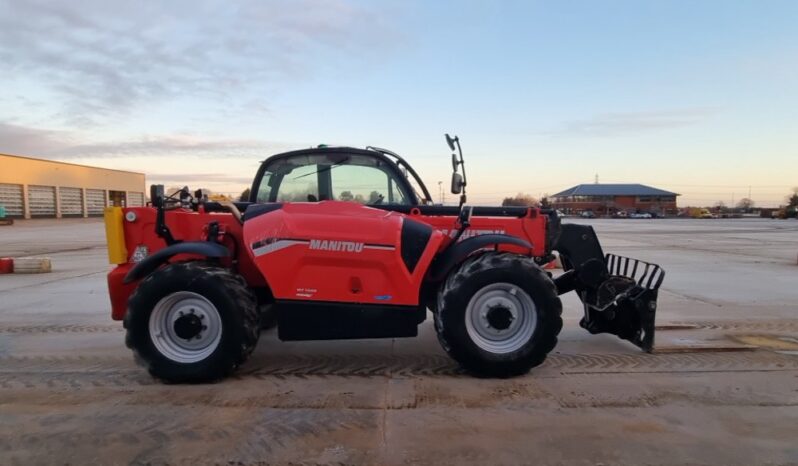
(35, 188)
(610, 199)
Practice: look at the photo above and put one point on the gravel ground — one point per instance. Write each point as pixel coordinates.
(71, 393)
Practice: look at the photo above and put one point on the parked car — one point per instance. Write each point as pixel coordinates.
(640, 215)
(587, 214)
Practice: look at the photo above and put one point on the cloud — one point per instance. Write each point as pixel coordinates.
(614, 124)
(169, 144)
(208, 178)
(103, 59)
(23, 140)
(64, 145)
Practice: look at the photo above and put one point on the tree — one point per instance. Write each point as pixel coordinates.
(745, 204)
(792, 204)
(244, 195)
(520, 199)
(544, 202)
(720, 206)
(374, 197)
(792, 200)
(346, 196)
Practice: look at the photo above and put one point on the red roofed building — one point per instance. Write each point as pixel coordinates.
(610, 199)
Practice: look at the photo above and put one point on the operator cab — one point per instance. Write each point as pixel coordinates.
(374, 177)
(369, 177)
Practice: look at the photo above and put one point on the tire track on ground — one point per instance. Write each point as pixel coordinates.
(264, 431)
(66, 328)
(769, 325)
(753, 325)
(51, 372)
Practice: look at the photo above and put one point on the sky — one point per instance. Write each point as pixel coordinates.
(696, 97)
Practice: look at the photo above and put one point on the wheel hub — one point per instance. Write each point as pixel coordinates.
(188, 326)
(499, 317)
(185, 327)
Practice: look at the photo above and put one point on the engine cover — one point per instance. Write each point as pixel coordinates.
(343, 252)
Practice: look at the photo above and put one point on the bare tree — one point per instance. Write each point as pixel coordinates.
(745, 204)
(520, 199)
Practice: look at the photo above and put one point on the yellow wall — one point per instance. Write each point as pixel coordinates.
(28, 171)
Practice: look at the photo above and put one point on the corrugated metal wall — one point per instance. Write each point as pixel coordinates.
(41, 200)
(12, 199)
(95, 201)
(71, 201)
(135, 199)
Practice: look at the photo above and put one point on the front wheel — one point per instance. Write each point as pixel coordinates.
(499, 315)
(192, 322)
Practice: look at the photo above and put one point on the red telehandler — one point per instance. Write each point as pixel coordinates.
(339, 242)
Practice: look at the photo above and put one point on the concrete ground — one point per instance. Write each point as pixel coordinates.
(71, 393)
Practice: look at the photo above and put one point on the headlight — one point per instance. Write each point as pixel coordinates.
(140, 253)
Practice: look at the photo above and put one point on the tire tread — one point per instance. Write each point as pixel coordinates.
(234, 286)
(455, 286)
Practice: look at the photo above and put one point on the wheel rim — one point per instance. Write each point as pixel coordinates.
(501, 318)
(185, 327)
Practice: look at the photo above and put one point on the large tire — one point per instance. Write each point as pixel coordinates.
(192, 322)
(498, 315)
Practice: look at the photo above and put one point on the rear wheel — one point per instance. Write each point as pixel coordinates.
(192, 322)
(498, 315)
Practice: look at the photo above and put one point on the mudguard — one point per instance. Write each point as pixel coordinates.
(151, 263)
(456, 254)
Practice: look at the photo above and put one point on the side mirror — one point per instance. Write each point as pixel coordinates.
(457, 183)
(450, 141)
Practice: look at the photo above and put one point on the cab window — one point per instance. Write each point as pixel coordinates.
(365, 184)
(300, 185)
(337, 176)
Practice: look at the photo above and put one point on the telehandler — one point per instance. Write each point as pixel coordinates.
(339, 243)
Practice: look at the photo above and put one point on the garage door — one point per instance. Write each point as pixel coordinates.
(11, 198)
(41, 200)
(135, 199)
(71, 201)
(95, 201)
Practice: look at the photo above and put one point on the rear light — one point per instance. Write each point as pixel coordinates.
(139, 254)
